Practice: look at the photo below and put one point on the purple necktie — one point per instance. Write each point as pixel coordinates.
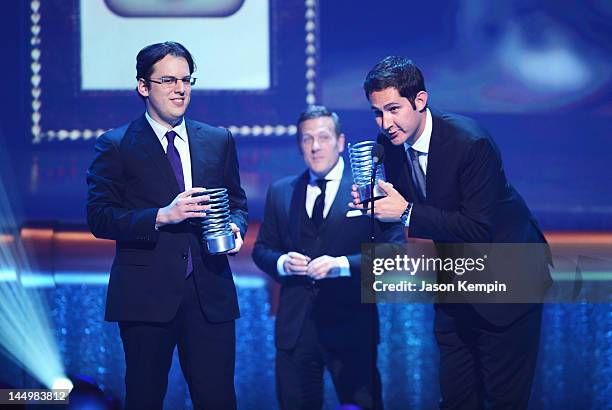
(177, 166)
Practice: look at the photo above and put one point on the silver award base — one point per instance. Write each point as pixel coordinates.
(221, 243)
(365, 193)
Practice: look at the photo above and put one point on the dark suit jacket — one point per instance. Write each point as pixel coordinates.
(469, 200)
(129, 179)
(335, 303)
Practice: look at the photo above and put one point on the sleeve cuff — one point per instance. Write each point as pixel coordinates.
(345, 269)
(407, 221)
(279, 265)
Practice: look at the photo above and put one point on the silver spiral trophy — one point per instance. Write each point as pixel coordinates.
(217, 235)
(360, 155)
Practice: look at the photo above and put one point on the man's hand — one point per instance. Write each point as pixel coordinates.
(387, 209)
(238, 238)
(296, 263)
(323, 267)
(391, 207)
(356, 204)
(182, 207)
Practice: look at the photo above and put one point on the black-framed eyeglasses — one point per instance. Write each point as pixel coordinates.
(170, 82)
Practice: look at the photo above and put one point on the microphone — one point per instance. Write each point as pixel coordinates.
(378, 154)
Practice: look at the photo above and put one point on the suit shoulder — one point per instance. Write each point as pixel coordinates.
(467, 135)
(114, 135)
(464, 128)
(284, 183)
(210, 130)
(113, 138)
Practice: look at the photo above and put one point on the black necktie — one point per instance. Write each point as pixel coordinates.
(177, 167)
(418, 177)
(319, 205)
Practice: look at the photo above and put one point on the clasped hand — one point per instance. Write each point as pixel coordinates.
(319, 268)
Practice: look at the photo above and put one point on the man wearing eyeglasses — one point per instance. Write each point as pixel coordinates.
(164, 289)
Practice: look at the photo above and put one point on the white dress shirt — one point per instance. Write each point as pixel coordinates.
(333, 178)
(181, 143)
(421, 146)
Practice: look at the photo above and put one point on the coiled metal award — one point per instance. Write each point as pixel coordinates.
(360, 155)
(217, 236)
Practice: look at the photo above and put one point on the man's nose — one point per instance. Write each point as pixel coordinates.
(179, 87)
(386, 121)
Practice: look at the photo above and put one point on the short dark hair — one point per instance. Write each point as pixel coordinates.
(148, 56)
(397, 72)
(318, 111)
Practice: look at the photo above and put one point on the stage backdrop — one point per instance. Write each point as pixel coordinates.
(537, 76)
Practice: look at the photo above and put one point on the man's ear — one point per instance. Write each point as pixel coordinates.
(420, 101)
(142, 87)
(340, 142)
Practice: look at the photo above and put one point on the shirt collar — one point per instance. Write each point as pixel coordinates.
(161, 130)
(335, 174)
(422, 143)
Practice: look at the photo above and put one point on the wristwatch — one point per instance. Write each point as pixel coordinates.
(405, 217)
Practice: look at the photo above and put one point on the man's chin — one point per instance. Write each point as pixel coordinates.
(397, 141)
(319, 172)
(176, 119)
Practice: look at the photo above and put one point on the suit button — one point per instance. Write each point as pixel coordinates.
(184, 256)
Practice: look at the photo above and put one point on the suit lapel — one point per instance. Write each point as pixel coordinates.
(296, 205)
(434, 157)
(196, 138)
(144, 136)
(340, 205)
(337, 211)
(397, 157)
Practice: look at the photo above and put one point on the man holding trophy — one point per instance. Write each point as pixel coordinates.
(168, 287)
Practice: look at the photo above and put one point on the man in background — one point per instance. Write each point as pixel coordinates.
(308, 245)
